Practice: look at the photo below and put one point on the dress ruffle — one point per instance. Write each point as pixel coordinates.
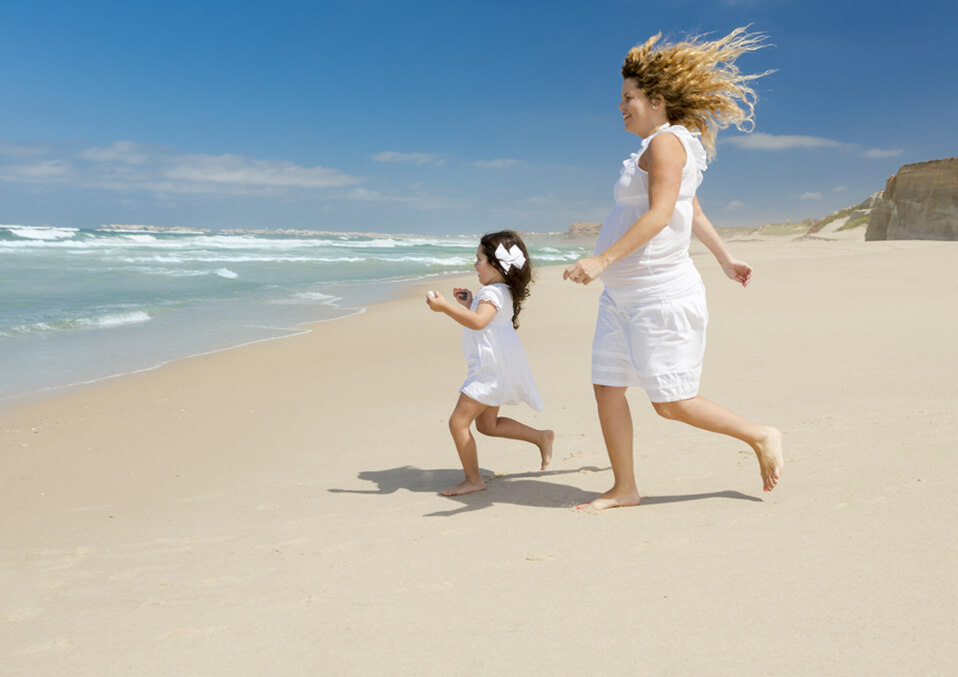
(690, 141)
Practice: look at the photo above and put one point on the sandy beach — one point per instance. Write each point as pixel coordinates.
(273, 509)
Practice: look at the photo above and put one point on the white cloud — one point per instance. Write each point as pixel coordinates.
(881, 153)
(810, 196)
(23, 150)
(501, 163)
(736, 204)
(50, 171)
(840, 189)
(415, 201)
(126, 152)
(129, 167)
(773, 142)
(417, 158)
(234, 170)
(779, 142)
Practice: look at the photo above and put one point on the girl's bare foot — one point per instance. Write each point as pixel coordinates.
(613, 498)
(771, 459)
(545, 449)
(465, 487)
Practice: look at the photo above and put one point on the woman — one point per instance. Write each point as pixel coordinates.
(652, 318)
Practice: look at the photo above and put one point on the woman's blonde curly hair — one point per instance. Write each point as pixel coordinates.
(698, 80)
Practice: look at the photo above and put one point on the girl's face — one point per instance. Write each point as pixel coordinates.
(487, 273)
(640, 115)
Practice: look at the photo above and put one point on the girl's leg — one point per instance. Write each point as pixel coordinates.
(616, 421)
(703, 413)
(490, 423)
(466, 411)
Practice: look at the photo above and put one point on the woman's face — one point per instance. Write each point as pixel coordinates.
(487, 273)
(640, 115)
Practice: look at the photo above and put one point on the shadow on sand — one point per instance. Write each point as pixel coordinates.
(528, 488)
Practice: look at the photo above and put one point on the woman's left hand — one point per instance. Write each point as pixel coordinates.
(585, 270)
(738, 271)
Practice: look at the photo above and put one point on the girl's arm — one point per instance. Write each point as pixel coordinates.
(470, 319)
(736, 270)
(666, 158)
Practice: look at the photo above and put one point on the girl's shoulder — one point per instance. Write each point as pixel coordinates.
(496, 293)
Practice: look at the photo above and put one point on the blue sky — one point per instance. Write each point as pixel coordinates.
(440, 117)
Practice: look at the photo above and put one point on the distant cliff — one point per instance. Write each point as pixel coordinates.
(582, 230)
(920, 202)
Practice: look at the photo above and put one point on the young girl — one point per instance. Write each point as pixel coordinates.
(499, 372)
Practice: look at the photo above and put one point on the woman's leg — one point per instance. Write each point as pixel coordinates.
(466, 411)
(707, 415)
(490, 423)
(616, 421)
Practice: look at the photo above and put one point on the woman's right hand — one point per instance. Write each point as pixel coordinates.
(585, 270)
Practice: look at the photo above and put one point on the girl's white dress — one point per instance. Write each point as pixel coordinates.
(499, 372)
(650, 330)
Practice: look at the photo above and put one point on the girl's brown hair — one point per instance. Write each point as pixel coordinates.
(517, 279)
(698, 80)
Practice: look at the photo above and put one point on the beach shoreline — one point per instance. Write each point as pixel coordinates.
(90, 305)
(274, 509)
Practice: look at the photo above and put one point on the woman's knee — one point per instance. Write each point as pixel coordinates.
(459, 421)
(486, 425)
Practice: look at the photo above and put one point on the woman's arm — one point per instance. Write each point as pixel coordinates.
(666, 158)
(470, 319)
(736, 270)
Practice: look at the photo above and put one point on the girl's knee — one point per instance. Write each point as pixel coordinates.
(607, 393)
(670, 410)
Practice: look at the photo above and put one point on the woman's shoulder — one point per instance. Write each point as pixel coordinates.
(690, 141)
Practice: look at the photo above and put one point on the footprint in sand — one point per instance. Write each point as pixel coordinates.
(52, 645)
(574, 454)
(91, 508)
(279, 547)
(872, 500)
(194, 632)
(20, 615)
(200, 498)
(222, 580)
(538, 558)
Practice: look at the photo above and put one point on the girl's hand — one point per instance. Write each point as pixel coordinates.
(436, 301)
(464, 296)
(738, 271)
(585, 270)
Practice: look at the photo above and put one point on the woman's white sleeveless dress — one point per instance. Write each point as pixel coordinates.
(652, 319)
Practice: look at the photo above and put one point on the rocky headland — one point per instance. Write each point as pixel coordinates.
(920, 202)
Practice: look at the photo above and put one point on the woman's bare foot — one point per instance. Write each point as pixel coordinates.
(771, 459)
(464, 487)
(545, 449)
(613, 498)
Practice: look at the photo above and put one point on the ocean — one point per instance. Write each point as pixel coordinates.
(78, 306)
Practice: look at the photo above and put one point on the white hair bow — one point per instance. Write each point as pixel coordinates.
(511, 257)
